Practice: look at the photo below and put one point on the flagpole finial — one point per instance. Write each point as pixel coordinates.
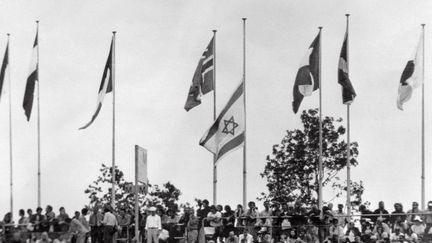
(244, 19)
(347, 14)
(8, 34)
(320, 27)
(214, 31)
(37, 21)
(114, 32)
(423, 25)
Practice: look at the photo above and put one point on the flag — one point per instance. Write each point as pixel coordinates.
(141, 164)
(307, 79)
(348, 92)
(31, 80)
(4, 71)
(105, 86)
(227, 132)
(202, 81)
(412, 75)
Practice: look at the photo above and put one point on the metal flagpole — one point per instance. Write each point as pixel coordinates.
(136, 196)
(348, 128)
(214, 118)
(38, 121)
(113, 182)
(10, 128)
(320, 163)
(244, 100)
(423, 126)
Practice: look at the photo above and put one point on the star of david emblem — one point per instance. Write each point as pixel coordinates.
(230, 126)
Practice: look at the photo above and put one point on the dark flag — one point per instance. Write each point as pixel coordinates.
(105, 86)
(202, 81)
(348, 92)
(307, 79)
(31, 80)
(4, 69)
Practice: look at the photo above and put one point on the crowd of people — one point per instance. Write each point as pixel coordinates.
(274, 223)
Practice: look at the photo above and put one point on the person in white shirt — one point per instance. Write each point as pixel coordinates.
(109, 222)
(153, 226)
(245, 237)
(214, 218)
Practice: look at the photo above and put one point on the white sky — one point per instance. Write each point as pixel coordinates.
(158, 46)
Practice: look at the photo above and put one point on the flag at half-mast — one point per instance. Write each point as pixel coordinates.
(228, 131)
(31, 80)
(348, 92)
(105, 86)
(202, 81)
(4, 71)
(307, 78)
(412, 75)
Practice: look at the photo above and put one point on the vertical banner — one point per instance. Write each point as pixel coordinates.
(140, 177)
(141, 164)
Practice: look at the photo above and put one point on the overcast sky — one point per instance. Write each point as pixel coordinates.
(158, 46)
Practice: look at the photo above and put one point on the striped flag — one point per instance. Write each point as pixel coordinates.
(4, 71)
(227, 132)
(202, 81)
(31, 80)
(307, 79)
(105, 86)
(348, 92)
(412, 75)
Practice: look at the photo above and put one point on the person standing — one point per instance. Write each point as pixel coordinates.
(37, 219)
(109, 222)
(78, 230)
(85, 223)
(192, 227)
(153, 226)
(383, 213)
(95, 222)
(61, 220)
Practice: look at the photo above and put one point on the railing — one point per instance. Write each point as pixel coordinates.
(274, 227)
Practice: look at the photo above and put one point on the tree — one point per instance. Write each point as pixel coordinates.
(291, 170)
(99, 192)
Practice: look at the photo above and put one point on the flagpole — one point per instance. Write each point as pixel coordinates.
(423, 126)
(320, 163)
(348, 128)
(244, 101)
(214, 118)
(38, 121)
(113, 182)
(10, 128)
(136, 197)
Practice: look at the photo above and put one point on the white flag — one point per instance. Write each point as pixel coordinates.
(227, 132)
